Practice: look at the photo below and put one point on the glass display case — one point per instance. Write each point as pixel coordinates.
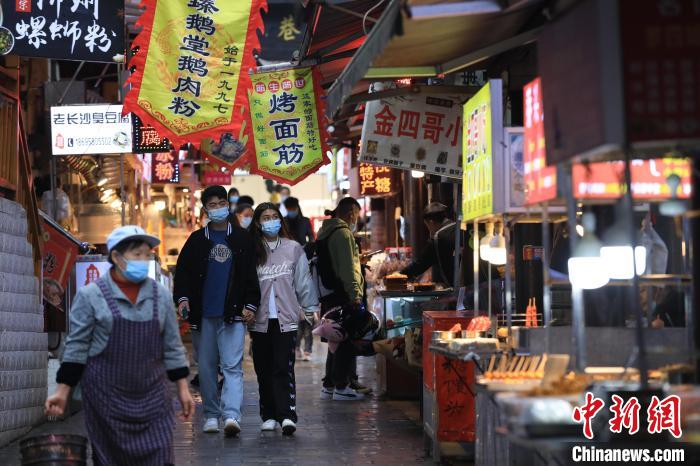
(403, 309)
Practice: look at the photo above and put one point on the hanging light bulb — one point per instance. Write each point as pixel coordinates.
(417, 174)
(485, 243)
(618, 257)
(586, 267)
(497, 250)
(674, 206)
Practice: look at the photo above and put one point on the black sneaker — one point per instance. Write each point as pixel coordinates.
(359, 388)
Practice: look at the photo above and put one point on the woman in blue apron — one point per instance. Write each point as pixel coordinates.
(124, 344)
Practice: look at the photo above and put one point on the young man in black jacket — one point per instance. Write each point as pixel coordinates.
(217, 291)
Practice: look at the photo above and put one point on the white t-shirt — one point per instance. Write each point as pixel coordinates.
(272, 304)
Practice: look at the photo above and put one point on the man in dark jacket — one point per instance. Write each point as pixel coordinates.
(299, 226)
(217, 291)
(440, 251)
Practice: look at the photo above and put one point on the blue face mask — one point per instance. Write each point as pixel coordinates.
(233, 199)
(218, 215)
(246, 221)
(136, 271)
(292, 213)
(271, 227)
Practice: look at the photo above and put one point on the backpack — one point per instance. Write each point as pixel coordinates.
(330, 289)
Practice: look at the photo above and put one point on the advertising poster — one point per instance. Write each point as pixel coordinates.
(90, 129)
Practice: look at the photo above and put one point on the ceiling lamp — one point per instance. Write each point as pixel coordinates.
(497, 250)
(485, 243)
(586, 266)
(417, 174)
(617, 255)
(674, 206)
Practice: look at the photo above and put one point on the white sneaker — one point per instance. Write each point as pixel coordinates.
(347, 394)
(307, 356)
(231, 427)
(288, 427)
(269, 426)
(211, 426)
(326, 393)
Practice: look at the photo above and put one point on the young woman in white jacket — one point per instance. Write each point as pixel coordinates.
(286, 290)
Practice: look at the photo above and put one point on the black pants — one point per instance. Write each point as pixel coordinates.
(339, 366)
(273, 358)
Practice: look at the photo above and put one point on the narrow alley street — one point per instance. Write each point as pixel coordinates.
(373, 431)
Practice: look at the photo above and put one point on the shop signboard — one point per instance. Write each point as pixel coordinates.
(414, 132)
(89, 30)
(540, 179)
(605, 180)
(191, 69)
(165, 168)
(482, 151)
(90, 129)
(377, 180)
(214, 176)
(59, 255)
(285, 26)
(290, 139)
(146, 139)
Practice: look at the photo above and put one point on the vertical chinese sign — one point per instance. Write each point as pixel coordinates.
(165, 168)
(478, 158)
(540, 179)
(290, 141)
(191, 66)
(414, 133)
(377, 181)
(89, 30)
(146, 139)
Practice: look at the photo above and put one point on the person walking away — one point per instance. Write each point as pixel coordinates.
(286, 288)
(299, 226)
(233, 196)
(243, 215)
(440, 250)
(284, 193)
(339, 265)
(123, 343)
(217, 290)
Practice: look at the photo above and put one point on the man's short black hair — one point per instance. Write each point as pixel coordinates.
(283, 187)
(124, 246)
(245, 199)
(213, 191)
(233, 192)
(291, 203)
(345, 207)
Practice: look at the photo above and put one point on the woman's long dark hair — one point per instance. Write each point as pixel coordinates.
(260, 246)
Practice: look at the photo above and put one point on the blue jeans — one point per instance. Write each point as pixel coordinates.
(220, 343)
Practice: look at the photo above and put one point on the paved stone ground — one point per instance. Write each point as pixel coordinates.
(373, 431)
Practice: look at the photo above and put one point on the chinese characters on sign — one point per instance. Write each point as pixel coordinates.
(661, 46)
(59, 255)
(377, 180)
(90, 30)
(188, 77)
(289, 138)
(605, 180)
(478, 156)
(166, 168)
(414, 133)
(146, 138)
(214, 176)
(540, 179)
(661, 415)
(90, 129)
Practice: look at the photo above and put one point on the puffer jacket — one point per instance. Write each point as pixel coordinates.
(286, 272)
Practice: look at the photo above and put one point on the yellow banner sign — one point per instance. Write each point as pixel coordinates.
(191, 66)
(290, 142)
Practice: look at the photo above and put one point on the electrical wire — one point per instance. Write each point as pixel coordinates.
(364, 18)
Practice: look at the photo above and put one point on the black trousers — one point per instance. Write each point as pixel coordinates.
(273, 359)
(339, 366)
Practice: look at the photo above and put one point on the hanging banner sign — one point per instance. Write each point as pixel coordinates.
(377, 181)
(482, 137)
(414, 132)
(146, 139)
(191, 68)
(60, 254)
(89, 30)
(229, 151)
(605, 180)
(290, 139)
(90, 129)
(540, 179)
(166, 168)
